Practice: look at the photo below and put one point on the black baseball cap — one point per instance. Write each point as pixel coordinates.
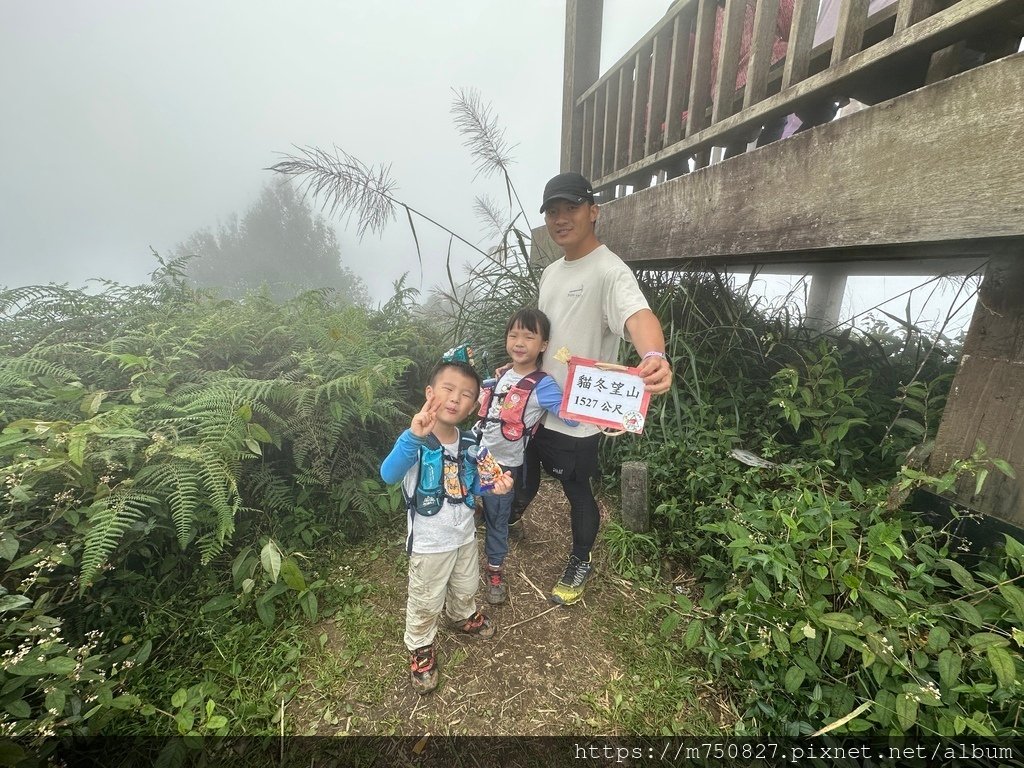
(567, 186)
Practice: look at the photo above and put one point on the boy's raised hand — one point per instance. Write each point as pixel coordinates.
(423, 422)
(503, 484)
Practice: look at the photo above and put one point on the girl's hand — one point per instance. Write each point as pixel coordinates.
(503, 484)
(423, 422)
(499, 372)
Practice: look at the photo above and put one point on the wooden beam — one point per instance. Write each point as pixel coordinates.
(944, 63)
(582, 60)
(597, 153)
(986, 403)
(836, 189)
(586, 162)
(920, 259)
(899, 261)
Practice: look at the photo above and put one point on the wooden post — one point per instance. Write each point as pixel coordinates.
(801, 37)
(853, 20)
(679, 78)
(986, 402)
(760, 53)
(912, 11)
(635, 512)
(700, 73)
(728, 60)
(582, 62)
(825, 299)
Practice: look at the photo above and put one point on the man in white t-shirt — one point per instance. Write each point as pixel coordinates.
(593, 300)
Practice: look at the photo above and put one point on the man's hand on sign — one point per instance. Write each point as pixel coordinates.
(645, 332)
(656, 372)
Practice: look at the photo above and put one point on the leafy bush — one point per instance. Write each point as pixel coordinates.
(820, 596)
(824, 598)
(153, 435)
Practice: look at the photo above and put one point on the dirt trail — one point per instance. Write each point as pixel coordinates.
(536, 676)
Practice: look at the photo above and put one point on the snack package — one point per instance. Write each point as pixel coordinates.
(489, 469)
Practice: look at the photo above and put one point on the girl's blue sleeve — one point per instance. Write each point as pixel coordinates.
(549, 395)
(402, 457)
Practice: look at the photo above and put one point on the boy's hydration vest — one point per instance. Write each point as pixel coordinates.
(441, 476)
(513, 405)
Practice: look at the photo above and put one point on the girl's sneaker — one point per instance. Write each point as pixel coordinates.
(423, 669)
(494, 576)
(477, 625)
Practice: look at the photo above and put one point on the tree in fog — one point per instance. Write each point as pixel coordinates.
(280, 243)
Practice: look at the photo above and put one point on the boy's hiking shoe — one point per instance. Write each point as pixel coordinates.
(516, 530)
(569, 588)
(477, 625)
(423, 669)
(495, 581)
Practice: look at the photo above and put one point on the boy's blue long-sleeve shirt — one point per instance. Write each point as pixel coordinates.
(404, 455)
(450, 528)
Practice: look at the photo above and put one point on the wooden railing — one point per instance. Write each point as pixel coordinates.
(682, 89)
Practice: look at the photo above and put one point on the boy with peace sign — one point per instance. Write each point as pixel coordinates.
(436, 462)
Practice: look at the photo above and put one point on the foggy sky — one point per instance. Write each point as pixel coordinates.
(129, 125)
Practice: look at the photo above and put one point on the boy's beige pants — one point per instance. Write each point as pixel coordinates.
(439, 580)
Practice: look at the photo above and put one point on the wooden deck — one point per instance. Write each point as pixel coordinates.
(929, 177)
(657, 111)
(894, 182)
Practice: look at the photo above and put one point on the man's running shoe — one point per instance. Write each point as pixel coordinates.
(569, 588)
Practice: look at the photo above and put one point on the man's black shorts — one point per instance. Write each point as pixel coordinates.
(566, 457)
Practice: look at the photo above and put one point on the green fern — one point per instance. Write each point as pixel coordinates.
(189, 383)
(31, 366)
(270, 491)
(109, 519)
(180, 482)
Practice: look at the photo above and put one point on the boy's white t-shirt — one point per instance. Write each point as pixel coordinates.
(588, 301)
